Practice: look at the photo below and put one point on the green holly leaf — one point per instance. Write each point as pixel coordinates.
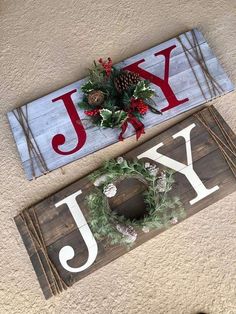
(143, 90)
(106, 114)
(106, 118)
(112, 119)
(119, 117)
(87, 87)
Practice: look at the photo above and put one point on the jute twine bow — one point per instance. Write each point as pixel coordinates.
(53, 278)
(195, 52)
(226, 145)
(35, 155)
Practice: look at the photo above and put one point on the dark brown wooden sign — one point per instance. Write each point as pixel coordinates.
(201, 151)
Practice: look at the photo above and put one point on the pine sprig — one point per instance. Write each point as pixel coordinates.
(96, 74)
(88, 87)
(101, 93)
(160, 206)
(143, 90)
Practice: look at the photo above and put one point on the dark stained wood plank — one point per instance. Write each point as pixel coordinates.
(59, 228)
(49, 216)
(35, 257)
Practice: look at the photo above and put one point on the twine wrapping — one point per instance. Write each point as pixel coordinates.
(55, 283)
(35, 155)
(195, 52)
(221, 136)
(226, 145)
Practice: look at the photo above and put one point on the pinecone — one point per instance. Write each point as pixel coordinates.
(162, 183)
(128, 232)
(95, 98)
(110, 190)
(125, 80)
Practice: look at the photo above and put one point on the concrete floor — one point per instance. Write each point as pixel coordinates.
(47, 44)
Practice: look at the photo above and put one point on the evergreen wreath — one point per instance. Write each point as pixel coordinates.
(112, 98)
(162, 210)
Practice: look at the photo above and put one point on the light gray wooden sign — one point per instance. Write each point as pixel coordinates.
(183, 71)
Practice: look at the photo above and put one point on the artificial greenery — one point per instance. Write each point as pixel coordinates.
(143, 90)
(128, 101)
(160, 207)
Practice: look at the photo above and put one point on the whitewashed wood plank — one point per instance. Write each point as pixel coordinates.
(46, 119)
(42, 124)
(177, 67)
(190, 86)
(109, 134)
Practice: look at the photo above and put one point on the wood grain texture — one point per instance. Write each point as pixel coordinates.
(46, 119)
(59, 228)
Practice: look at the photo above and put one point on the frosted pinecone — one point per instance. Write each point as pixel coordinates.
(153, 170)
(127, 231)
(145, 229)
(100, 180)
(174, 220)
(162, 182)
(110, 190)
(120, 160)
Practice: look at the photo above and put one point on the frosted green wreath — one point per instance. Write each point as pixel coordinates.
(162, 210)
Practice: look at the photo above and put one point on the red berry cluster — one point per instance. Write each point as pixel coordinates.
(142, 108)
(92, 113)
(139, 105)
(107, 65)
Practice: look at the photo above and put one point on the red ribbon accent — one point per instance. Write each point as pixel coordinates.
(138, 126)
